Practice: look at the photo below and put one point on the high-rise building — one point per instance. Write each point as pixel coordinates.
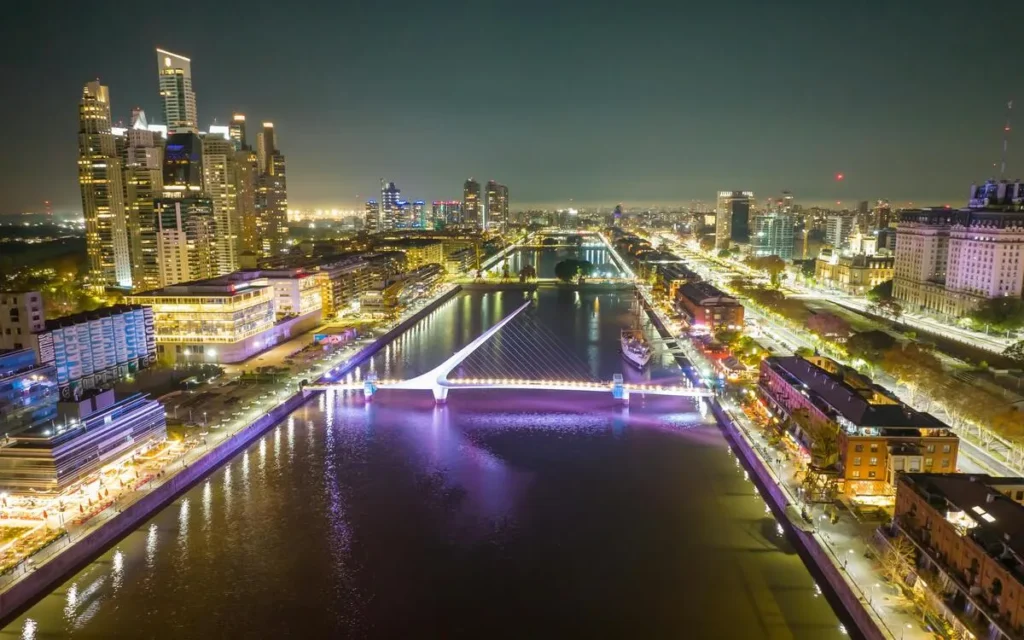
(21, 315)
(881, 215)
(419, 215)
(497, 206)
(247, 173)
(471, 213)
(272, 206)
(862, 207)
(773, 235)
(183, 165)
(371, 219)
(176, 90)
(219, 180)
(101, 180)
(446, 212)
(922, 256)
(732, 217)
(838, 229)
(236, 131)
(185, 239)
(143, 185)
(390, 213)
(266, 146)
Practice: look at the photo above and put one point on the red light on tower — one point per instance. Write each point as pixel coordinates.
(839, 177)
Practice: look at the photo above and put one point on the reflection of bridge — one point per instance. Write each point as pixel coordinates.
(437, 380)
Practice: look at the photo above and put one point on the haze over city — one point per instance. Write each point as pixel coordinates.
(594, 102)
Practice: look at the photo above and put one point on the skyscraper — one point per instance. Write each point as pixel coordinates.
(219, 181)
(772, 235)
(390, 214)
(265, 146)
(371, 219)
(247, 175)
(471, 214)
(236, 131)
(446, 212)
(732, 218)
(838, 229)
(185, 226)
(100, 178)
(272, 206)
(143, 185)
(497, 206)
(176, 90)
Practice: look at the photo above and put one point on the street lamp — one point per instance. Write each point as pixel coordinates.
(904, 630)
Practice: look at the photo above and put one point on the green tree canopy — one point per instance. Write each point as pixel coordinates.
(1002, 314)
(1015, 352)
(571, 270)
(870, 346)
(881, 292)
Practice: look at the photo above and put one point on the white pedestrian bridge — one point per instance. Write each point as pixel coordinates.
(438, 382)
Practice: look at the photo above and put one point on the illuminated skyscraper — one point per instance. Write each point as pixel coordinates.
(732, 218)
(176, 90)
(390, 213)
(272, 207)
(497, 206)
(236, 131)
(247, 174)
(185, 227)
(446, 212)
(100, 178)
(219, 181)
(371, 219)
(143, 184)
(471, 213)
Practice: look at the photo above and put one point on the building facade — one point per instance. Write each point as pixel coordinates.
(497, 206)
(445, 212)
(417, 252)
(772, 235)
(143, 184)
(21, 315)
(838, 229)
(707, 308)
(28, 391)
(179, 98)
(855, 275)
(471, 211)
(732, 218)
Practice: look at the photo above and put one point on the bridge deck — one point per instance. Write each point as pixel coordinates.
(547, 385)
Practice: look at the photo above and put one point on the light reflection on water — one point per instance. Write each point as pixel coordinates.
(503, 513)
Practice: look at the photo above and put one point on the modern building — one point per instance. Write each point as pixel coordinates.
(220, 175)
(732, 217)
(341, 282)
(175, 72)
(460, 261)
(371, 217)
(471, 212)
(236, 132)
(100, 177)
(186, 245)
(417, 252)
(94, 349)
(671, 276)
(881, 215)
(389, 296)
(854, 275)
(838, 229)
(143, 185)
(49, 458)
(968, 530)
(390, 215)
(707, 308)
(877, 436)
(446, 212)
(272, 204)
(28, 391)
(772, 235)
(247, 174)
(21, 315)
(948, 261)
(497, 206)
(231, 318)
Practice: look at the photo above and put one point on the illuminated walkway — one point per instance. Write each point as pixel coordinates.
(438, 382)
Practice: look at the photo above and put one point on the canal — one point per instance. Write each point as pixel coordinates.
(545, 259)
(505, 514)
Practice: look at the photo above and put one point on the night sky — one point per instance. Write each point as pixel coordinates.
(599, 102)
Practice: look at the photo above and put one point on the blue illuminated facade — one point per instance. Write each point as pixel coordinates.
(28, 391)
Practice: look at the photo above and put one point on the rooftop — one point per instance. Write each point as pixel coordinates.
(86, 316)
(701, 291)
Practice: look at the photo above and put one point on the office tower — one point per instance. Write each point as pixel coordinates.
(247, 175)
(371, 219)
(838, 229)
(101, 181)
(219, 181)
(862, 207)
(922, 256)
(732, 217)
(143, 185)
(419, 214)
(446, 212)
(881, 215)
(390, 196)
(471, 214)
(617, 215)
(497, 206)
(261, 152)
(236, 131)
(185, 239)
(266, 146)
(773, 235)
(786, 202)
(176, 90)
(183, 165)
(272, 207)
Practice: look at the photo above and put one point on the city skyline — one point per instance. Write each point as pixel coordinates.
(581, 118)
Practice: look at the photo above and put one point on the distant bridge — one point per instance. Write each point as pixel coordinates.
(438, 382)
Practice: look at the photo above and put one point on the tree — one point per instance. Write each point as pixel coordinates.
(1002, 314)
(915, 367)
(549, 241)
(528, 272)
(571, 270)
(881, 292)
(505, 273)
(724, 253)
(829, 326)
(707, 243)
(888, 308)
(870, 346)
(1015, 352)
(898, 559)
(772, 265)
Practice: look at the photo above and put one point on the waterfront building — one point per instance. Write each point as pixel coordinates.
(497, 206)
(967, 530)
(231, 318)
(671, 275)
(854, 275)
(52, 456)
(143, 185)
(186, 248)
(772, 235)
(175, 73)
(707, 308)
(341, 283)
(388, 297)
(272, 206)
(732, 218)
(948, 261)
(21, 315)
(460, 261)
(878, 436)
(100, 178)
(28, 391)
(94, 349)
(220, 176)
(838, 229)
(418, 252)
(471, 213)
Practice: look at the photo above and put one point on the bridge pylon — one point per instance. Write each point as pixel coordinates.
(369, 386)
(619, 390)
